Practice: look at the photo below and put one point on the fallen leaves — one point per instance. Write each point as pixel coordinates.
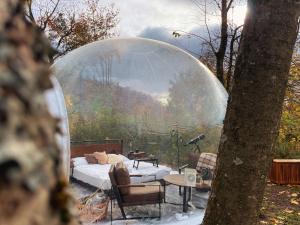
(295, 195)
(288, 211)
(294, 201)
(281, 205)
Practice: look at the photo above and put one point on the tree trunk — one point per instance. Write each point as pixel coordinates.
(220, 55)
(220, 68)
(253, 114)
(33, 190)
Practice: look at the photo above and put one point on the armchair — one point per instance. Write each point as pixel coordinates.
(205, 167)
(128, 194)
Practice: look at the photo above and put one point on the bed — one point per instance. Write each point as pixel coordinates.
(97, 175)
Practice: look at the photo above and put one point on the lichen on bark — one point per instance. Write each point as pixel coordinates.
(33, 189)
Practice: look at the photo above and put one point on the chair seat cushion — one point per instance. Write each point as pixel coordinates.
(147, 194)
(205, 186)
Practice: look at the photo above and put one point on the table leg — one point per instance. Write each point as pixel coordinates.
(185, 202)
(164, 184)
(190, 194)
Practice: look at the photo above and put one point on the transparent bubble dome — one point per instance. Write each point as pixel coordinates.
(138, 89)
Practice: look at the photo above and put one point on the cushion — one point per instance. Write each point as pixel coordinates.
(91, 159)
(114, 159)
(101, 157)
(122, 177)
(206, 160)
(78, 161)
(145, 194)
(124, 158)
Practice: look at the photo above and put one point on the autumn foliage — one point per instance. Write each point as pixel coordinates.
(71, 27)
(288, 144)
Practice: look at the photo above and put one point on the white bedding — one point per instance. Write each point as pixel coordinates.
(97, 175)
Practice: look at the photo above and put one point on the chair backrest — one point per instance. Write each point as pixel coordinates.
(111, 174)
(207, 160)
(114, 186)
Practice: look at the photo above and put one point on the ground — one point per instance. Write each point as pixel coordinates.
(281, 205)
(171, 214)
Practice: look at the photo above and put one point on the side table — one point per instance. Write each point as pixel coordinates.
(136, 162)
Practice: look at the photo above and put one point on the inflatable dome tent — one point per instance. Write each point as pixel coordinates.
(146, 92)
(57, 107)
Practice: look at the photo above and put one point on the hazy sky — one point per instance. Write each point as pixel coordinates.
(157, 19)
(138, 15)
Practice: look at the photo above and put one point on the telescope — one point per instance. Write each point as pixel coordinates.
(196, 139)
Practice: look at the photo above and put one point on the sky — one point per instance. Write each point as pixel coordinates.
(157, 19)
(139, 15)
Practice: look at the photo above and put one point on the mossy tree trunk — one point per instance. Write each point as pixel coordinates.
(33, 190)
(253, 114)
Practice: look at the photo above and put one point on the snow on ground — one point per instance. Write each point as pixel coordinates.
(171, 214)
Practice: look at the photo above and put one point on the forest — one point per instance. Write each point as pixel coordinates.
(103, 110)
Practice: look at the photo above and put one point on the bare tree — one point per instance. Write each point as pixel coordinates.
(33, 189)
(216, 55)
(221, 51)
(232, 54)
(254, 111)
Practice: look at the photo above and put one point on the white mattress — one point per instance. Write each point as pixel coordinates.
(97, 175)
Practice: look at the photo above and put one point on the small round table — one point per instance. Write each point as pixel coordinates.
(178, 180)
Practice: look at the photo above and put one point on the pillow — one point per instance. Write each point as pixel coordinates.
(78, 161)
(114, 159)
(124, 158)
(91, 159)
(122, 177)
(101, 157)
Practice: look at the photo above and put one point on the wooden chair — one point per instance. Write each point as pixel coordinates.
(205, 167)
(135, 194)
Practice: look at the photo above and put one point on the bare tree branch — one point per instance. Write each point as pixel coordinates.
(234, 38)
(49, 16)
(197, 4)
(229, 5)
(205, 41)
(207, 28)
(218, 4)
(29, 12)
